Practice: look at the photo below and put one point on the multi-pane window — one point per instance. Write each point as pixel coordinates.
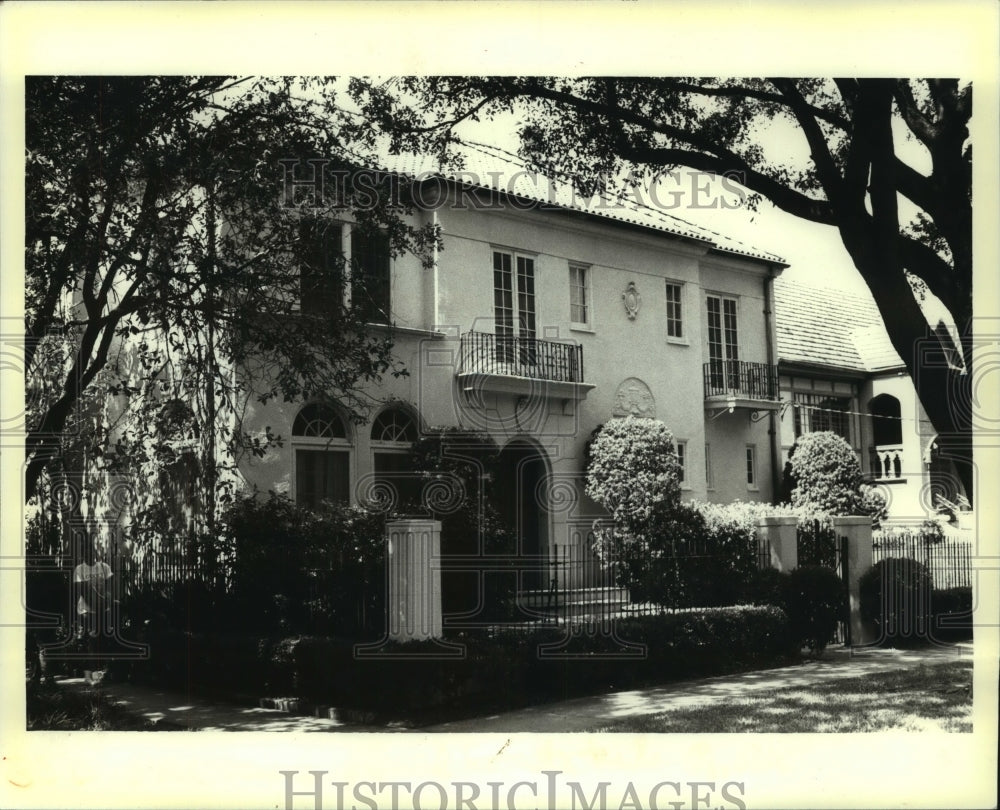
(394, 425)
(675, 323)
(681, 450)
(723, 343)
(709, 481)
(816, 412)
(751, 466)
(371, 279)
(321, 271)
(514, 306)
(579, 295)
(322, 456)
(398, 485)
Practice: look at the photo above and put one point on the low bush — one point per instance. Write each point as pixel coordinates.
(952, 613)
(495, 670)
(896, 598)
(815, 601)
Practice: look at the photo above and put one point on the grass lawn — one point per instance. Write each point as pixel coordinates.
(926, 698)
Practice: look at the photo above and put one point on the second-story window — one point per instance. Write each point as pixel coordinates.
(514, 306)
(371, 280)
(723, 343)
(321, 273)
(579, 295)
(675, 322)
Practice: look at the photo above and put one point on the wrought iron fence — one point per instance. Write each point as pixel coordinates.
(820, 545)
(949, 559)
(620, 579)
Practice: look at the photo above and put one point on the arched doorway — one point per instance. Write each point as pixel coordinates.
(520, 498)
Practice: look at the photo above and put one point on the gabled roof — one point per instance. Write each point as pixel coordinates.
(496, 170)
(827, 327)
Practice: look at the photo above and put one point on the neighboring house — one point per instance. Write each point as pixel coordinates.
(542, 318)
(839, 371)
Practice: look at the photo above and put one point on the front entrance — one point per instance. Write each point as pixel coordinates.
(520, 498)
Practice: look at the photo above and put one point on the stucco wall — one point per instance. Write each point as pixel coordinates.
(615, 347)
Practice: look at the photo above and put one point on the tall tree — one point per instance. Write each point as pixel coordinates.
(886, 162)
(169, 215)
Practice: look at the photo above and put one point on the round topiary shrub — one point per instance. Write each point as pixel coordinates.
(825, 474)
(896, 598)
(815, 601)
(632, 468)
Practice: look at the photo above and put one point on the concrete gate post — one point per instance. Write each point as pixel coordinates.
(858, 531)
(782, 536)
(413, 599)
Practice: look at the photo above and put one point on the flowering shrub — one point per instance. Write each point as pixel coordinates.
(823, 474)
(632, 468)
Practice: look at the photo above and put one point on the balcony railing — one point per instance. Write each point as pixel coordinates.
(741, 380)
(887, 462)
(517, 356)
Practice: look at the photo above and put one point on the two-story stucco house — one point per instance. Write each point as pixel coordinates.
(541, 318)
(839, 372)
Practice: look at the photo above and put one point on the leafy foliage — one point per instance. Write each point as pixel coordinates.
(896, 598)
(815, 601)
(857, 137)
(162, 254)
(825, 474)
(633, 469)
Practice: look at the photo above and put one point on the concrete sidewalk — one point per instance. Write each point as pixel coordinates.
(175, 709)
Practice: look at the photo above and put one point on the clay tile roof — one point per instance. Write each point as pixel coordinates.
(491, 168)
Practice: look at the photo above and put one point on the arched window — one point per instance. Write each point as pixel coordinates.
(887, 426)
(393, 433)
(394, 425)
(322, 456)
(319, 421)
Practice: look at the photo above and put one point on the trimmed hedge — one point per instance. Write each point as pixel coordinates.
(896, 598)
(499, 671)
(952, 613)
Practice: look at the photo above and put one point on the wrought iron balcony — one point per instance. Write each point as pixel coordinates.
(741, 383)
(516, 356)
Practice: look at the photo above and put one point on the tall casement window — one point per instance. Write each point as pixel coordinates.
(709, 480)
(681, 449)
(321, 271)
(675, 321)
(393, 433)
(579, 295)
(815, 412)
(322, 456)
(514, 306)
(371, 274)
(723, 343)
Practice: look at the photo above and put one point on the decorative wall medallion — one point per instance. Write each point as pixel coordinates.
(633, 398)
(632, 300)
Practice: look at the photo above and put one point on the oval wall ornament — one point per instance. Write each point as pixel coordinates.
(632, 300)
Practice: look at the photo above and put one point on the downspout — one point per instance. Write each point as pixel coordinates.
(772, 433)
(435, 278)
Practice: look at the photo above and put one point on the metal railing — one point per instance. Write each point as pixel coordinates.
(740, 379)
(518, 356)
(948, 559)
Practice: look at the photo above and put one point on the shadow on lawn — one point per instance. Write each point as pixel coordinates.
(925, 698)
